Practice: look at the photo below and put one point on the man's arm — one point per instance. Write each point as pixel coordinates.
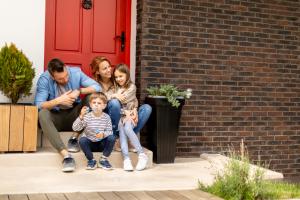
(88, 84)
(64, 99)
(42, 96)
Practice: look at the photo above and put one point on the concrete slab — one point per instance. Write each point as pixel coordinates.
(184, 174)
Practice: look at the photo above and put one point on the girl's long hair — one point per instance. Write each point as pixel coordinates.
(123, 69)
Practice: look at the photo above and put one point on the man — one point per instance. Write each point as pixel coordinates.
(57, 97)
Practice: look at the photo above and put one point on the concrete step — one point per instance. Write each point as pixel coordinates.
(47, 156)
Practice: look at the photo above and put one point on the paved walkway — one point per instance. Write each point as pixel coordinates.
(132, 195)
(23, 178)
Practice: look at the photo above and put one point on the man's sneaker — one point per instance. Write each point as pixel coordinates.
(105, 164)
(73, 145)
(68, 164)
(142, 162)
(127, 166)
(92, 164)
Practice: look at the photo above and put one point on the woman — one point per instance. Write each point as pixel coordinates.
(102, 73)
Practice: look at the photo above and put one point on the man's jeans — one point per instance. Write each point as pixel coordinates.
(52, 122)
(113, 109)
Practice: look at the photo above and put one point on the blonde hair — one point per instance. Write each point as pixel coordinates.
(99, 95)
(123, 68)
(95, 67)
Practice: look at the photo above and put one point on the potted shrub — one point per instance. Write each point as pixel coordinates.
(166, 102)
(18, 122)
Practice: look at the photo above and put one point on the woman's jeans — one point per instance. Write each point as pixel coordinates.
(113, 109)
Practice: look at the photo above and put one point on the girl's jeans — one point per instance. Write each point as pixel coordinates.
(126, 131)
(113, 109)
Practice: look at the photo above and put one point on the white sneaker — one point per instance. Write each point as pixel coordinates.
(142, 162)
(127, 166)
(133, 150)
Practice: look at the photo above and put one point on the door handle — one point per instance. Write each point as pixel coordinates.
(122, 39)
(87, 4)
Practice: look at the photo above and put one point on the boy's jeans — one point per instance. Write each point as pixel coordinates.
(106, 146)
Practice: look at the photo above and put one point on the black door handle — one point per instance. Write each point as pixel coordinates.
(87, 4)
(122, 39)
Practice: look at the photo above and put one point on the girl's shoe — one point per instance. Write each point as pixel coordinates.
(92, 164)
(127, 166)
(142, 162)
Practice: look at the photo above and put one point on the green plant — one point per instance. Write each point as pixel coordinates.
(237, 183)
(16, 74)
(170, 92)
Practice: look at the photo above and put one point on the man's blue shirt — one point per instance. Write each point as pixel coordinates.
(47, 90)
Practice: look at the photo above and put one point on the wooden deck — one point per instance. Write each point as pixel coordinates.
(132, 195)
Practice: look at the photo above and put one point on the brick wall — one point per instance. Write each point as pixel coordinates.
(241, 58)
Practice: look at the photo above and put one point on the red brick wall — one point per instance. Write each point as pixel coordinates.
(241, 58)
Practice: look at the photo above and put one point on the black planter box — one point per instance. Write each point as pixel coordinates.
(162, 128)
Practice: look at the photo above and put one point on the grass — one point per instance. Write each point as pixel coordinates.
(281, 190)
(238, 183)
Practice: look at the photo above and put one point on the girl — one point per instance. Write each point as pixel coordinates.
(126, 93)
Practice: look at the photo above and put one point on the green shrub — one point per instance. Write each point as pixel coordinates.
(16, 74)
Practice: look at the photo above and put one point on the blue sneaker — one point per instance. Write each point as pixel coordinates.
(105, 164)
(92, 164)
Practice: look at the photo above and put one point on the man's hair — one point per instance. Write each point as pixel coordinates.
(99, 95)
(55, 65)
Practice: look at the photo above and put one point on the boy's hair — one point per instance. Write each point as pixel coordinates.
(123, 68)
(99, 95)
(55, 65)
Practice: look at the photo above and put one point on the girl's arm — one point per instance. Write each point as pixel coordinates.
(130, 94)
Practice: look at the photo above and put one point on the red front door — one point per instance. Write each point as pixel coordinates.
(76, 35)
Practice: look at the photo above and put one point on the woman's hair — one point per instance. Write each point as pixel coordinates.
(123, 69)
(99, 95)
(95, 67)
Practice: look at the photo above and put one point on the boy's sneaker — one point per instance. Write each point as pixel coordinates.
(73, 145)
(92, 164)
(68, 164)
(142, 162)
(127, 166)
(105, 164)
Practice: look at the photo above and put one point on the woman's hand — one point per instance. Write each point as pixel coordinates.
(131, 115)
(121, 97)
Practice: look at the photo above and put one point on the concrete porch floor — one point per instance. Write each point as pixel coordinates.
(42, 178)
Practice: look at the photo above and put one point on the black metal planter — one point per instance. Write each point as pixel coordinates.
(162, 128)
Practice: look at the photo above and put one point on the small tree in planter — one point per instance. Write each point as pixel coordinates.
(19, 122)
(16, 74)
(166, 101)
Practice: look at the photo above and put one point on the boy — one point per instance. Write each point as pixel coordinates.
(97, 134)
